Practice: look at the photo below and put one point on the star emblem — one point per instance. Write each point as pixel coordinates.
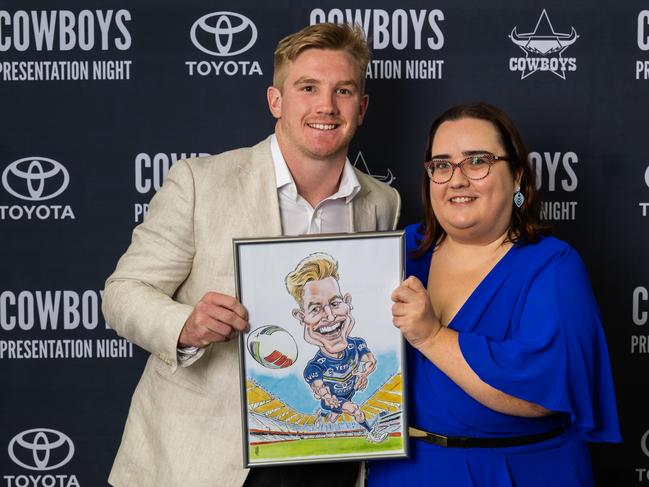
(360, 163)
(543, 41)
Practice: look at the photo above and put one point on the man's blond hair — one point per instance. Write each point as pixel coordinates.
(336, 37)
(314, 267)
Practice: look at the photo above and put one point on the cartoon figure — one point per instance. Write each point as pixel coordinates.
(343, 363)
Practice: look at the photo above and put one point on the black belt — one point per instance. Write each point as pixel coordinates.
(474, 442)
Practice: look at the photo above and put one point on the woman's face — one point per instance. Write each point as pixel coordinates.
(472, 211)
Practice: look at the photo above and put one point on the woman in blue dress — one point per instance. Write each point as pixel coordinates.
(509, 374)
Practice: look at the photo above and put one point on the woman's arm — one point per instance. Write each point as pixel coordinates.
(413, 314)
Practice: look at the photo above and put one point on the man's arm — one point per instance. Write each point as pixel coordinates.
(138, 298)
(367, 366)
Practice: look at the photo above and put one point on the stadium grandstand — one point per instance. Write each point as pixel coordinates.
(271, 420)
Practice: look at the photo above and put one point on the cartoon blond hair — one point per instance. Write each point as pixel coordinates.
(314, 267)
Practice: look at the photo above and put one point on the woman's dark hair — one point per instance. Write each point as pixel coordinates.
(525, 225)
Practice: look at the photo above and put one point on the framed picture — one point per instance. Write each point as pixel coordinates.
(322, 367)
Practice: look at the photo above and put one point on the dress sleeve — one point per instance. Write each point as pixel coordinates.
(557, 356)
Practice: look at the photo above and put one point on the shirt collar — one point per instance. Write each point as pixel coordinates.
(348, 188)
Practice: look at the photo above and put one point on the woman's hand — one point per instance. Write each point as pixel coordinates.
(412, 313)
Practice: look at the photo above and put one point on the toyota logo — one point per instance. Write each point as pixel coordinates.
(41, 449)
(643, 443)
(223, 33)
(35, 178)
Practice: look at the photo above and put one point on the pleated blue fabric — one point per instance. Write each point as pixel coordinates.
(531, 329)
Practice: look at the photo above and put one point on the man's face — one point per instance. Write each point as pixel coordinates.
(326, 315)
(319, 106)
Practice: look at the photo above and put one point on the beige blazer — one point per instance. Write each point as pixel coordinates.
(184, 423)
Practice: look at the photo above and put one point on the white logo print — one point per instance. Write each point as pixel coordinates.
(41, 449)
(643, 443)
(223, 34)
(543, 49)
(35, 178)
(360, 163)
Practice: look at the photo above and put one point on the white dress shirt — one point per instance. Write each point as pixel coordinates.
(332, 215)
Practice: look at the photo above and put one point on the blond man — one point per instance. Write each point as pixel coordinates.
(172, 292)
(343, 363)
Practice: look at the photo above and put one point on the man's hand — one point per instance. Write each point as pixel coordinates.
(361, 381)
(216, 318)
(412, 312)
(322, 392)
(332, 401)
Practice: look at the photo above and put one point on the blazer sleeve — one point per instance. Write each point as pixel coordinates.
(138, 297)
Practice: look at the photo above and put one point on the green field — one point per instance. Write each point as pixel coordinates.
(322, 447)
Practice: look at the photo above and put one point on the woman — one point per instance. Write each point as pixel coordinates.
(509, 373)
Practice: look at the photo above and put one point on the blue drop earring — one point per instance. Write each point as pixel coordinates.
(519, 199)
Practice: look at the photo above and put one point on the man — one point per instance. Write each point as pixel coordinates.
(343, 363)
(172, 291)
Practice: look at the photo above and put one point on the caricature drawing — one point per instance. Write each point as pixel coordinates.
(343, 362)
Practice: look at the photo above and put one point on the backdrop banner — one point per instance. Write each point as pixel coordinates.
(98, 98)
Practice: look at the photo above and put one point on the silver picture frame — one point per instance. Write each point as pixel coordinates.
(322, 367)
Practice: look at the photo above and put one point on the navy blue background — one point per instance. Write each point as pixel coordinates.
(97, 128)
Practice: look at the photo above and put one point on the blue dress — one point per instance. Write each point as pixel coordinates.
(531, 329)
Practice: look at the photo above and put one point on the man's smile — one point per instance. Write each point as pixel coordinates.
(329, 329)
(322, 126)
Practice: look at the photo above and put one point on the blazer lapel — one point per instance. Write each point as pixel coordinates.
(364, 212)
(257, 192)
(257, 196)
